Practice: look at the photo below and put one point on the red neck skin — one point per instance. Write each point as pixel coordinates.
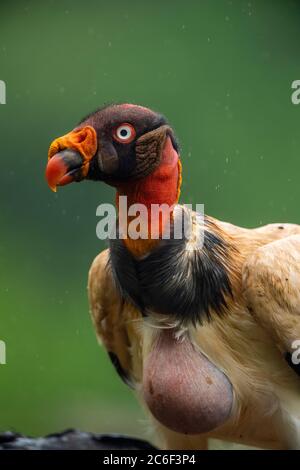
(160, 187)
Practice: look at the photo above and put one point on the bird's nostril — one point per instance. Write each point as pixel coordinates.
(81, 137)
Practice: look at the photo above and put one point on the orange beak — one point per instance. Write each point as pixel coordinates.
(69, 157)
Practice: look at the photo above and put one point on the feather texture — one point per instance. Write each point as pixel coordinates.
(247, 343)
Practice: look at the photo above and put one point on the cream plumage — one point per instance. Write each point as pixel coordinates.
(203, 333)
(247, 345)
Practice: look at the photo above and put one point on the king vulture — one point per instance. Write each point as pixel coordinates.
(202, 327)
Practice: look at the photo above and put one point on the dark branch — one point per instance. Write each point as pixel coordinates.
(72, 440)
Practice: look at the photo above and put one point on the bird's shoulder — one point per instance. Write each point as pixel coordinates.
(116, 321)
(257, 236)
(271, 280)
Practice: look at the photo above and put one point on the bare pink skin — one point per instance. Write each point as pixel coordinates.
(183, 389)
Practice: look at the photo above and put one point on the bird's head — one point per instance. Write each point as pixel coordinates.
(116, 144)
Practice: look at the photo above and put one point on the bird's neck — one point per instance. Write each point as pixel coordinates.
(162, 187)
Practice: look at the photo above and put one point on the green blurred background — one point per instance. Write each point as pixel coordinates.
(221, 71)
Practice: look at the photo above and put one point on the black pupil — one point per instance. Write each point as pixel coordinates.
(124, 132)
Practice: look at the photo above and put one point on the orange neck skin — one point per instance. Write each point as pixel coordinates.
(160, 187)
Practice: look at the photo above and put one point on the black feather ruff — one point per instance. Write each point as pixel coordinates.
(187, 285)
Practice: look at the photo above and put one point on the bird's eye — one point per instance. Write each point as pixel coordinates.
(125, 133)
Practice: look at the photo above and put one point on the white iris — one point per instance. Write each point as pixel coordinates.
(124, 132)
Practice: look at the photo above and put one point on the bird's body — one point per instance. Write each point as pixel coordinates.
(202, 327)
(266, 390)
